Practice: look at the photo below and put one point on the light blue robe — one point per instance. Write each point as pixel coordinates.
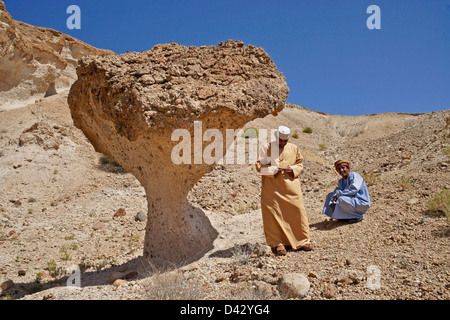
(353, 199)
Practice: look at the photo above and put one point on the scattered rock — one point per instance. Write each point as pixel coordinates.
(190, 267)
(8, 284)
(329, 291)
(120, 213)
(98, 225)
(294, 285)
(10, 234)
(412, 201)
(350, 277)
(120, 282)
(263, 250)
(221, 277)
(48, 296)
(140, 216)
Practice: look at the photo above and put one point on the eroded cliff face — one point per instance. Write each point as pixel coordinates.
(36, 61)
(129, 107)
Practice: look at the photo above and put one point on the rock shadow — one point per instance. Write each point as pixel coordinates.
(330, 224)
(135, 269)
(131, 270)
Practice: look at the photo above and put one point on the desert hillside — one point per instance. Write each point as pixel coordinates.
(35, 61)
(65, 207)
(61, 206)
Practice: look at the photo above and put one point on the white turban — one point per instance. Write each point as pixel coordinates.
(283, 133)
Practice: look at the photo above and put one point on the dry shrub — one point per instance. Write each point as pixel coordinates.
(439, 204)
(406, 184)
(371, 179)
(248, 291)
(165, 284)
(109, 165)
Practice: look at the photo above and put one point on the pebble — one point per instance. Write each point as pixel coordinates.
(329, 291)
(412, 201)
(140, 216)
(350, 277)
(7, 284)
(120, 213)
(12, 232)
(190, 267)
(98, 225)
(120, 282)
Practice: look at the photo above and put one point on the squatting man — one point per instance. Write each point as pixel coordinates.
(350, 200)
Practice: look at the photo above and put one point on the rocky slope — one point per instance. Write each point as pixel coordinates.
(61, 204)
(67, 208)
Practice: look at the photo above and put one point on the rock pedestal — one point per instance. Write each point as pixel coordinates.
(129, 107)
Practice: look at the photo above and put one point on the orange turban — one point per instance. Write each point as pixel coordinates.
(339, 163)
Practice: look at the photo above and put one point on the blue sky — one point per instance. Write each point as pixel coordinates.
(331, 60)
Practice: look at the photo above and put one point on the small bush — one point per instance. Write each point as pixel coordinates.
(295, 136)
(406, 184)
(308, 130)
(322, 147)
(65, 254)
(53, 269)
(247, 291)
(109, 165)
(243, 253)
(439, 204)
(172, 286)
(371, 179)
(446, 150)
(250, 133)
(167, 284)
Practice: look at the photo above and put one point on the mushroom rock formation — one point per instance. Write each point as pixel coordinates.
(130, 105)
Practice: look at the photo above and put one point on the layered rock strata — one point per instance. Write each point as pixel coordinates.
(36, 62)
(130, 107)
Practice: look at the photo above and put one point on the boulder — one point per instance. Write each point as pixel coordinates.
(294, 285)
(131, 106)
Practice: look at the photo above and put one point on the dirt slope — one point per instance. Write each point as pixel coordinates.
(60, 204)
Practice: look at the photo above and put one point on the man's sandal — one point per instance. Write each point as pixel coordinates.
(281, 250)
(307, 247)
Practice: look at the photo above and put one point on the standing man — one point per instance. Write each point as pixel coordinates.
(284, 216)
(350, 200)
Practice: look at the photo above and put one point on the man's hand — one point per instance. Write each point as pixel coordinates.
(289, 171)
(277, 171)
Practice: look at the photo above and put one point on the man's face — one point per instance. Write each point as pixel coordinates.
(282, 143)
(344, 171)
